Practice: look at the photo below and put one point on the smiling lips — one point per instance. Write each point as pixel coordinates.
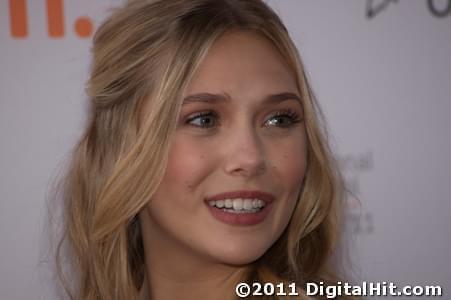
(240, 207)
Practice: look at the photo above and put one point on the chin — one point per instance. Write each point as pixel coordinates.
(240, 253)
(239, 259)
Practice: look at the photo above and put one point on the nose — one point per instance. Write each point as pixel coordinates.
(245, 153)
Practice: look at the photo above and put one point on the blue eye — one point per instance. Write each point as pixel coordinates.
(203, 120)
(284, 119)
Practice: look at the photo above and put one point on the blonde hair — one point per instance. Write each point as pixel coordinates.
(144, 55)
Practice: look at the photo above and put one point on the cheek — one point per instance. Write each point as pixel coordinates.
(288, 162)
(188, 164)
(177, 193)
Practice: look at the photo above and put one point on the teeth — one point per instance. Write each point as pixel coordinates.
(247, 204)
(239, 204)
(228, 203)
(255, 203)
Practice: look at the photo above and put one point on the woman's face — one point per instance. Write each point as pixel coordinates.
(237, 159)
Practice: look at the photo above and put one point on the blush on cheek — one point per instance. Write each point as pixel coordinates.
(188, 164)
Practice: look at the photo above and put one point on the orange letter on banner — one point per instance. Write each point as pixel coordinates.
(55, 18)
(18, 18)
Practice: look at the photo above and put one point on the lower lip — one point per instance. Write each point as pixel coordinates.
(242, 219)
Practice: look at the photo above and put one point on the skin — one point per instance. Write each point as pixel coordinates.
(243, 145)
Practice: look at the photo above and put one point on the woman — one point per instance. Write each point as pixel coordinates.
(203, 164)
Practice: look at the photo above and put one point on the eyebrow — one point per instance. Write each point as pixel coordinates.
(215, 98)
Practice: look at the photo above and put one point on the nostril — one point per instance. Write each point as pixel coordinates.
(248, 168)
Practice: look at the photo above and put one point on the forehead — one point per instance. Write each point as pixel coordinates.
(242, 63)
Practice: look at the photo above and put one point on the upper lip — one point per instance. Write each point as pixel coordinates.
(267, 197)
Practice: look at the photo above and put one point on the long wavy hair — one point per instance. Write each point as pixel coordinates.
(144, 55)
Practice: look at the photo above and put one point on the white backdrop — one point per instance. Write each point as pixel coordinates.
(383, 80)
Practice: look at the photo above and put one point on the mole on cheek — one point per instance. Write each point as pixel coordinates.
(188, 185)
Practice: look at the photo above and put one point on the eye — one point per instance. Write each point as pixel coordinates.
(284, 118)
(203, 119)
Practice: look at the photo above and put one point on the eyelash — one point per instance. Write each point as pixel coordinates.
(201, 115)
(293, 118)
(292, 115)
